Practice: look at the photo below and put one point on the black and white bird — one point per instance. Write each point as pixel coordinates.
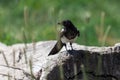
(69, 33)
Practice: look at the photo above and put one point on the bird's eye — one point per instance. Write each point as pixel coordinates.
(66, 23)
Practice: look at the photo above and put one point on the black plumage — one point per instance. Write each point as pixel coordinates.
(67, 34)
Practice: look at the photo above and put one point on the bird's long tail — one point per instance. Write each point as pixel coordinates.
(56, 48)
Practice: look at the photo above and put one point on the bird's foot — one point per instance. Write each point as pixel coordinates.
(67, 53)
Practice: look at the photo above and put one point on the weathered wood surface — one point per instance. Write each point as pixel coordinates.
(31, 62)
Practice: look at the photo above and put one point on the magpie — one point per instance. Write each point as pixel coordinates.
(68, 34)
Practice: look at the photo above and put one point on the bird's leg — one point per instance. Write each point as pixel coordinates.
(65, 46)
(71, 46)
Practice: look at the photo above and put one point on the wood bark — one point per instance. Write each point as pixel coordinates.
(31, 62)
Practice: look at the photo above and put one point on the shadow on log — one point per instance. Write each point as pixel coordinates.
(82, 65)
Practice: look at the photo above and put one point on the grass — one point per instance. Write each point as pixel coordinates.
(31, 21)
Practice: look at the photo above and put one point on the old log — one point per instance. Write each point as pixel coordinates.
(31, 62)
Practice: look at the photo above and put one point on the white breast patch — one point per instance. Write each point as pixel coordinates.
(65, 40)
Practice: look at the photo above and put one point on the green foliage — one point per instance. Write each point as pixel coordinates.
(35, 20)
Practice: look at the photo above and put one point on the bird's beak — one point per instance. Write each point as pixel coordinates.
(59, 23)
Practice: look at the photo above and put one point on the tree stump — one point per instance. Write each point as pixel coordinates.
(31, 62)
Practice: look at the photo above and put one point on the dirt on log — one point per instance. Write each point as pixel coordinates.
(31, 62)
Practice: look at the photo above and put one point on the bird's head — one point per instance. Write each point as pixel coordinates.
(66, 23)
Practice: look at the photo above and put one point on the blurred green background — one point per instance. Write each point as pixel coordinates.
(36, 20)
